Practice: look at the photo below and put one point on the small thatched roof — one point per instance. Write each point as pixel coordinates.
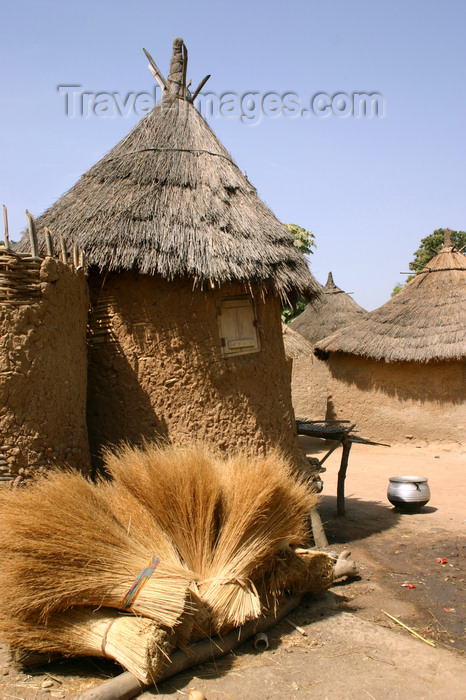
(170, 200)
(425, 321)
(295, 345)
(331, 311)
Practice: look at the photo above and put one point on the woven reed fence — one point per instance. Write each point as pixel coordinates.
(20, 272)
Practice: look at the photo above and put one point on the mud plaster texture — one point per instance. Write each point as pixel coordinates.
(399, 402)
(43, 360)
(156, 369)
(309, 379)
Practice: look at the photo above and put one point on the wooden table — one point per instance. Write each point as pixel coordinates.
(340, 433)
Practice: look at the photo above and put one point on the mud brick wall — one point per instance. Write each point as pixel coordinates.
(156, 369)
(43, 374)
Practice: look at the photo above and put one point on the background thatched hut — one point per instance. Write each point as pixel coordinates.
(399, 372)
(308, 375)
(333, 309)
(43, 365)
(188, 271)
(325, 315)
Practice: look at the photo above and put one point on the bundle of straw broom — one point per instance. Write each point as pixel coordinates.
(195, 542)
(228, 519)
(61, 546)
(266, 510)
(137, 643)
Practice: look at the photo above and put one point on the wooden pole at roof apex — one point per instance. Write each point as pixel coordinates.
(5, 222)
(447, 239)
(156, 72)
(185, 68)
(199, 87)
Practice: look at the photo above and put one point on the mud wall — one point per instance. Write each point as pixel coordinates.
(399, 402)
(43, 360)
(309, 379)
(156, 369)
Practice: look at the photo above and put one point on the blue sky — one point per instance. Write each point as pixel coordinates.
(369, 189)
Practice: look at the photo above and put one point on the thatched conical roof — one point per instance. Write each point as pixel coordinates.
(170, 200)
(325, 315)
(296, 345)
(425, 321)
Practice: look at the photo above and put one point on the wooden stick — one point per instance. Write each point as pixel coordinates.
(64, 253)
(318, 532)
(185, 67)
(342, 476)
(5, 222)
(199, 88)
(395, 619)
(155, 71)
(82, 259)
(48, 242)
(297, 627)
(75, 256)
(32, 234)
(121, 687)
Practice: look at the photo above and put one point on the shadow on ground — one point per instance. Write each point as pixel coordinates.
(362, 519)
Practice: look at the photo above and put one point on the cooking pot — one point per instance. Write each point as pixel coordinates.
(408, 493)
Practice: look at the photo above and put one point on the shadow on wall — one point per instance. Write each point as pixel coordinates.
(118, 408)
(434, 382)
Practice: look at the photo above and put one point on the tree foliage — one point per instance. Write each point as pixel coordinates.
(304, 240)
(429, 247)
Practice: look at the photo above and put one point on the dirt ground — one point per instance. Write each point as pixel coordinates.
(351, 648)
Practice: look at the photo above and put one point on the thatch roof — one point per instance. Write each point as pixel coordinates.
(295, 345)
(425, 321)
(170, 200)
(325, 315)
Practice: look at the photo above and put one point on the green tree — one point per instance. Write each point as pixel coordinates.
(429, 247)
(304, 240)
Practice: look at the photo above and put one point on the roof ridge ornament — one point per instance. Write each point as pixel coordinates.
(330, 281)
(175, 85)
(447, 240)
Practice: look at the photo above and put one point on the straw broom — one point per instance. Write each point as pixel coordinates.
(138, 644)
(140, 523)
(181, 488)
(296, 571)
(62, 546)
(266, 510)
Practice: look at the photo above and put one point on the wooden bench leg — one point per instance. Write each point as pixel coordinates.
(342, 477)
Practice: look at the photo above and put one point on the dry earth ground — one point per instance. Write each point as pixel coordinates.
(351, 649)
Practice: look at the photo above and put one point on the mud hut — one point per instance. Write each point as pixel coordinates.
(333, 310)
(43, 364)
(308, 376)
(188, 270)
(399, 372)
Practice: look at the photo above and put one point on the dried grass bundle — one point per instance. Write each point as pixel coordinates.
(138, 644)
(265, 509)
(62, 546)
(181, 488)
(297, 571)
(142, 525)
